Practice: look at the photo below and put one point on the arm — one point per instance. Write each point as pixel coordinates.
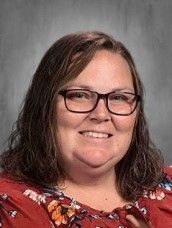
(18, 210)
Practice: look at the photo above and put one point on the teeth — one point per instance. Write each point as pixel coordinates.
(95, 134)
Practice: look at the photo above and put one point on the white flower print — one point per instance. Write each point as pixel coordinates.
(39, 198)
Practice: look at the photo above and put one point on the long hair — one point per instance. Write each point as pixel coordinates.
(33, 154)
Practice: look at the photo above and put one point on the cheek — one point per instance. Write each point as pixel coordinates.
(124, 123)
(124, 131)
(67, 122)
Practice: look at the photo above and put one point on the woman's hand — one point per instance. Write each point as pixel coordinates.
(136, 223)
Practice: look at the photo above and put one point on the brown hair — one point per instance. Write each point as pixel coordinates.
(33, 156)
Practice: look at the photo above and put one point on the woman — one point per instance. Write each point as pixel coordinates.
(81, 155)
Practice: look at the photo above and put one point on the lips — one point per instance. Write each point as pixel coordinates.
(95, 134)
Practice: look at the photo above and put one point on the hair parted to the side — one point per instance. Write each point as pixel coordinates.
(33, 155)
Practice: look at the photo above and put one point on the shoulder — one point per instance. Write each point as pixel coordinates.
(18, 204)
(168, 172)
(158, 202)
(17, 189)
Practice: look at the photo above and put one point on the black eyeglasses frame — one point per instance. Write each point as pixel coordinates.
(99, 96)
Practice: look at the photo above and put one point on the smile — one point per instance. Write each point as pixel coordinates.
(95, 134)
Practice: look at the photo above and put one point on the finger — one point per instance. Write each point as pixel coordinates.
(135, 222)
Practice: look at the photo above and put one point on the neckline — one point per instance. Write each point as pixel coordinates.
(118, 213)
(61, 195)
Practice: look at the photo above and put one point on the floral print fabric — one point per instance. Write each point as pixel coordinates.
(25, 206)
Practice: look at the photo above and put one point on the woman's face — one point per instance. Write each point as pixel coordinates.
(79, 148)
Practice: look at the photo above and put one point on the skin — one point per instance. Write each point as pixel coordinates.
(89, 162)
(106, 72)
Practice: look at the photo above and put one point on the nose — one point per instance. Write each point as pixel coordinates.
(100, 113)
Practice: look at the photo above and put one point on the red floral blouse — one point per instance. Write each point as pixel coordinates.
(25, 206)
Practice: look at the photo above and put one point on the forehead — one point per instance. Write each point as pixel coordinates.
(106, 71)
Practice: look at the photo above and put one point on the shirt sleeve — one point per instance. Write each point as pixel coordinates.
(159, 202)
(18, 210)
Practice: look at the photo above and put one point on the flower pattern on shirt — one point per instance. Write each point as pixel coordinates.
(39, 198)
(63, 210)
(166, 184)
(60, 213)
(10, 212)
(158, 193)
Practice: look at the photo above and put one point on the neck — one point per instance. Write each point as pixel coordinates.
(90, 189)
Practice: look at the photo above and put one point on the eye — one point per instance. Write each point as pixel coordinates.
(78, 95)
(119, 97)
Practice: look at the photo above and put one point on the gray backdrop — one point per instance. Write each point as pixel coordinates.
(29, 27)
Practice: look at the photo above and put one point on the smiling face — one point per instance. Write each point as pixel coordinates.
(83, 138)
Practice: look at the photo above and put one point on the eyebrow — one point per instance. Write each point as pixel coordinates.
(91, 88)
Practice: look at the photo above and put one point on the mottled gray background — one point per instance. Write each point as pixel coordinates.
(29, 27)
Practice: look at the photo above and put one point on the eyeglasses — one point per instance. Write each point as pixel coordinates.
(84, 101)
